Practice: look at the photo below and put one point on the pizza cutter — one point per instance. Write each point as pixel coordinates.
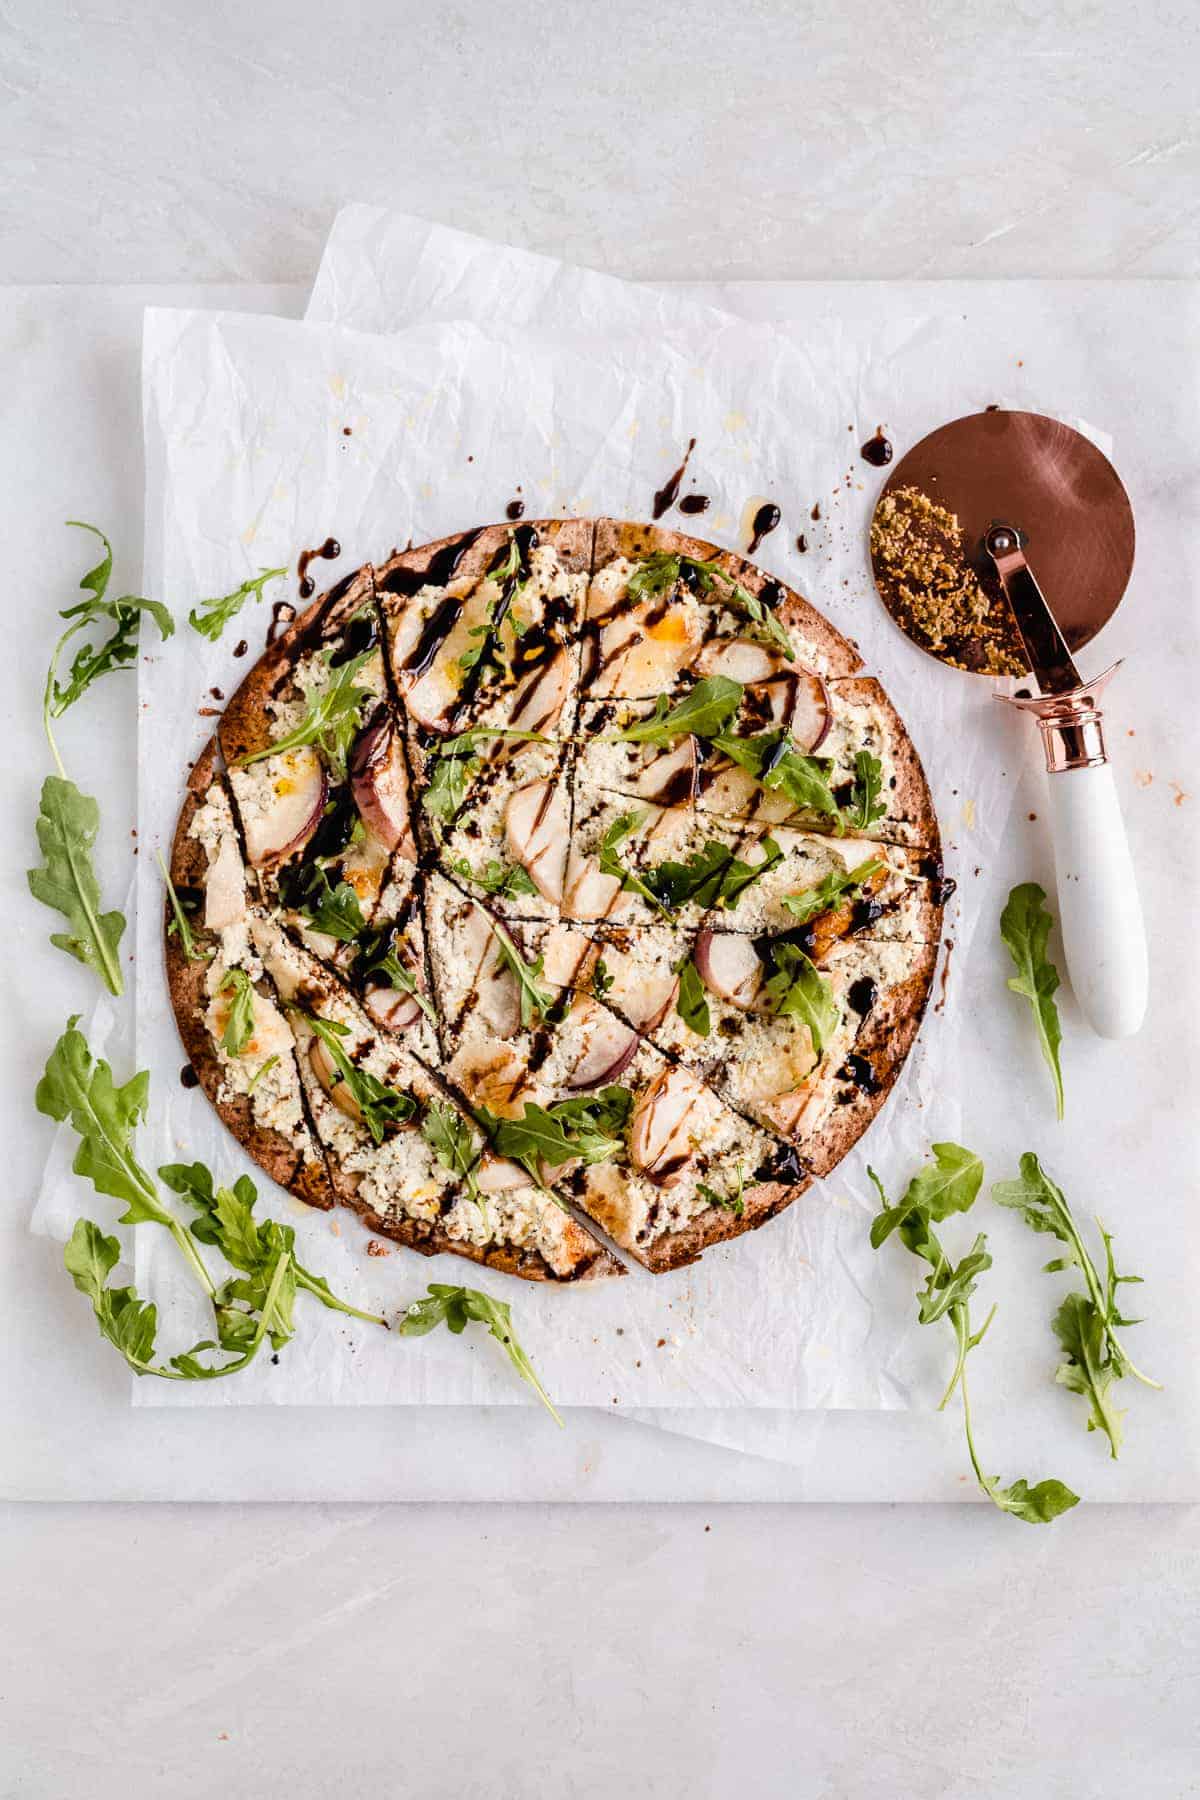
(1047, 527)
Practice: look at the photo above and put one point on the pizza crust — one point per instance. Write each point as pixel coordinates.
(584, 548)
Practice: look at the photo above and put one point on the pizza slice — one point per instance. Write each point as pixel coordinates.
(483, 629)
(757, 739)
(508, 839)
(402, 1152)
(238, 1043)
(565, 1086)
(662, 607)
(319, 773)
(807, 1042)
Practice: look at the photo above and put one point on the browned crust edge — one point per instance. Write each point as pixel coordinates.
(675, 1249)
(911, 799)
(273, 1153)
(885, 1040)
(619, 537)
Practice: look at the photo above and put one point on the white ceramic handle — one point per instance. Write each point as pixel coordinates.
(1101, 916)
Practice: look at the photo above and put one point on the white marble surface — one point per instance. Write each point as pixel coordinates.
(825, 1653)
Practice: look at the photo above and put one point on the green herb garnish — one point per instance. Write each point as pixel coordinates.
(661, 570)
(449, 1137)
(711, 876)
(1085, 1324)
(68, 819)
(536, 1002)
(827, 892)
(239, 1024)
(691, 1002)
(505, 880)
(262, 1069)
(455, 766)
(733, 1201)
(180, 925)
(587, 1128)
(456, 1307)
(702, 713)
(332, 716)
(797, 990)
(602, 981)
(772, 760)
(380, 1105)
(865, 804)
(1025, 926)
(950, 1184)
(212, 616)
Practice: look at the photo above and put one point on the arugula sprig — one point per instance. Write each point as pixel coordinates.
(455, 765)
(691, 1002)
(378, 957)
(333, 709)
(210, 617)
(773, 761)
(866, 804)
(456, 1308)
(239, 1021)
(536, 1002)
(663, 569)
(1085, 1324)
(450, 1138)
(68, 819)
(796, 989)
(733, 1201)
(588, 1128)
(180, 925)
(703, 712)
(1025, 927)
(711, 876)
(381, 1106)
(505, 880)
(828, 892)
(948, 1185)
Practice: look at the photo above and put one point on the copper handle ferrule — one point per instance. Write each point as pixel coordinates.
(1071, 724)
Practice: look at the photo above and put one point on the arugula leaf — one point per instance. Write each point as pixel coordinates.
(712, 876)
(951, 1184)
(797, 990)
(772, 760)
(380, 1105)
(506, 880)
(662, 569)
(602, 981)
(331, 719)
(79, 1088)
(262, 1069)
(378, 956)
(118, 651)
(704, 712)
(733, 1200)
(456, 1307)
(865, 803)
(449, 1137)
(760, 614)
(691, 1002)
(588, 1127)
(211, 617)
(225, 1220)
(456, 765)
(180, 925)
(333, 909)
(239, 1022)
(536, 1002)
(1086, 1323)
(1025, 926)
(66, 828)
(827, 892)
(611, 864)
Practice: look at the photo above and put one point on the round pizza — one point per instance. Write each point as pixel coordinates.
(551, 888)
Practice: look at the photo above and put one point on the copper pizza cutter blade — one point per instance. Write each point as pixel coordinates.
(1001, 544)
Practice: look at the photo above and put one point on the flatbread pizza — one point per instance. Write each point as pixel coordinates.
(559, 893)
